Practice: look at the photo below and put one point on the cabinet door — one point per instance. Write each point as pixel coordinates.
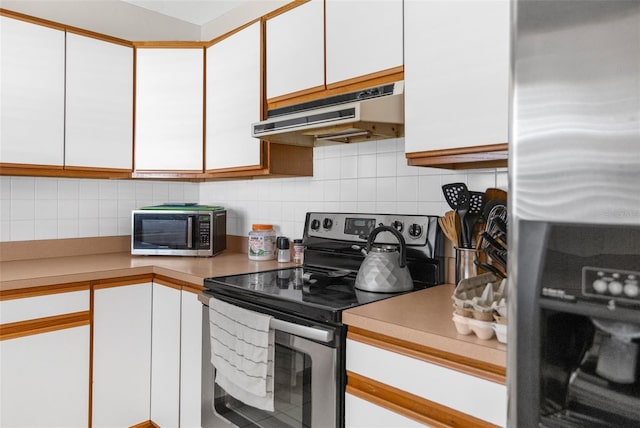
(190, 361)
(44, 379)
(31, 93)
(121, 355)
(456, 73)
(360, 413)
(363, 37)
(169, 109)
(295, 50)
(233, 100)
(99, 105)
(165, 356)
(480, 398)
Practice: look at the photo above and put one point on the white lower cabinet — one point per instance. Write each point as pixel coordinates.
(460, 392)
(165, 356)
(121, 355)
(44, 379)
(147, 352)
(190, 361)
(176, 349)
(361, 413)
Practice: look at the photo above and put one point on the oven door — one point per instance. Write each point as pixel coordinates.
(306, 379)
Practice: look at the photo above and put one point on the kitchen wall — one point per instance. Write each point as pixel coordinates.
(54, 208)
(363, 177)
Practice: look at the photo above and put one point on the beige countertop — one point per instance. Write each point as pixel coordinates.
(59, 270)
(422, 317)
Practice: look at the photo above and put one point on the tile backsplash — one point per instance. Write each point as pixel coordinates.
(363, 177)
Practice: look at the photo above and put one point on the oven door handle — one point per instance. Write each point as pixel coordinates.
(312, 333)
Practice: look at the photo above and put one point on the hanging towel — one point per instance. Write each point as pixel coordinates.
(242, 350)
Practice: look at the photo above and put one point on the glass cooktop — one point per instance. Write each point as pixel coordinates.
(306, 292)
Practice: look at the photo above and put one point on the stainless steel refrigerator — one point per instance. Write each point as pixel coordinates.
(574, 210)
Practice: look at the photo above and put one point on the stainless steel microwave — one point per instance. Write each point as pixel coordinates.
(190, 230)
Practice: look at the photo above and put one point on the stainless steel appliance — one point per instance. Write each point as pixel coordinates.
(307, 303)
(574, 169)
(179, 230)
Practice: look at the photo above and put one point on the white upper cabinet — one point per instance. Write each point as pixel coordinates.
(169, 109)
(233, 100)
(456, 73)
(99, 106)
(31, 93)
(363, 37)
(295, 50)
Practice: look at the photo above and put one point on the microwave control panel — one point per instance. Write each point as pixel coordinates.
(204, 231)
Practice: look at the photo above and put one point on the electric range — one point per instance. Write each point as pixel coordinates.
(306, 304)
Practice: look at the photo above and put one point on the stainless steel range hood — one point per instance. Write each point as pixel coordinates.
(368, 114)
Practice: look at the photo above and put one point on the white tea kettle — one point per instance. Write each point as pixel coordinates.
(384, 270)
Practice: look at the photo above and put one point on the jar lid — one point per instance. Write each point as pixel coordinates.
(262, 226)
(297, 241)
(282, 242)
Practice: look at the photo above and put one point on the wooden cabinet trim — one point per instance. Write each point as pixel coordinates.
(34, 170)
(121, 281)
(169, 44)
(410, 405)
(374, 79)
(20, 293)
(44, 325)
(62, 27)
(145, 424)
(448, 360)
(230, 33)
(391, 75)
(488, 156)
(177, 283)
(285, 8)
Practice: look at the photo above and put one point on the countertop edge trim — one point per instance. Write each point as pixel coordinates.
(473, 367)
(410, 405)
(177, 283)
(99, 284)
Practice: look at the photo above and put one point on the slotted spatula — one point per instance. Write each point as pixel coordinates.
(452, 192)
(471, 216)
(464, 200)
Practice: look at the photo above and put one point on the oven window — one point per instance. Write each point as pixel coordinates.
(170, 233)
(292, 392)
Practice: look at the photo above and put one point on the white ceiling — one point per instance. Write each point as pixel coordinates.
(140, 20)
(197, 12)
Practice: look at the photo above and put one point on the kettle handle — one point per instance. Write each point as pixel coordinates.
(403, 244)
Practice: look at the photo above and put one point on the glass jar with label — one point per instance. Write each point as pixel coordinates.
(298, 252)
(262, 242)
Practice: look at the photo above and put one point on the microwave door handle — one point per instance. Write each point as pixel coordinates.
(190, 232)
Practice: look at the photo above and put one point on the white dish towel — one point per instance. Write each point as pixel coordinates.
(242, 350)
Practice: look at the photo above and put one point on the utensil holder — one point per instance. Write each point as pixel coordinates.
(465, 266)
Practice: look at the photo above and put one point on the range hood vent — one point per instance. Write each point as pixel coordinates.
(369, 114)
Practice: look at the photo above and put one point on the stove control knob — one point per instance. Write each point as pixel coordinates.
(397, 225)
(315, 224)
(327, 223)
(615, 288)
(415, 230)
